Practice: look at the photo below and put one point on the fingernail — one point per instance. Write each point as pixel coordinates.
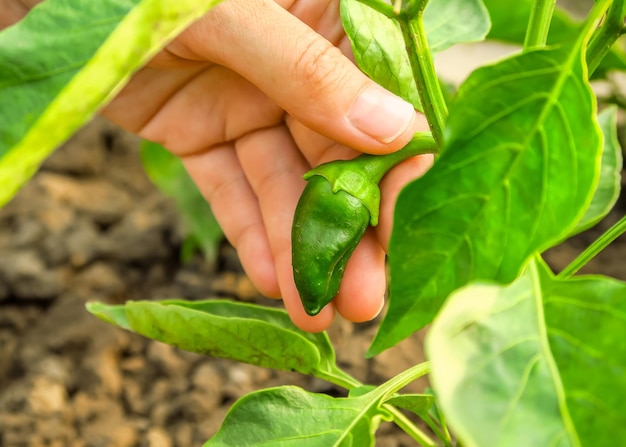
(380, 114)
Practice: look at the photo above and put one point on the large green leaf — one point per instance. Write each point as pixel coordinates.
(520, 163)
(379, 47)
(538, 363)
(245, 332)
(290, 416)
(608, 189)
(64, 61)
(169, 174)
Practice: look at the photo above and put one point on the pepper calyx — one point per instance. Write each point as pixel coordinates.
(345, 175)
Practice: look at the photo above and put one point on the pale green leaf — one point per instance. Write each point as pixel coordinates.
(608, 189)
(520, 162)
(168, 173)
(448, 22)
(420, 404)
(290, 416)
(245, 332)
(541, 353)
(64, 61)
(379, 49)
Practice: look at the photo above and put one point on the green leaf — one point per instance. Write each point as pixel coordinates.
(115, 315)
(379, 49)
(510, 19)
(290, 416)
(64, 61)
(168, 173)
(520, 161)
(541, 353)
(448, 22)
(608, 189)
(419, 404)
(245, 332)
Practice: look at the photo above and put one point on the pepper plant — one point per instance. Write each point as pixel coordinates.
(518, 354)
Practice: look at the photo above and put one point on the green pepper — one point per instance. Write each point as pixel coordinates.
(341, 199)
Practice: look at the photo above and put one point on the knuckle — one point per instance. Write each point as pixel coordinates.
(318, 66)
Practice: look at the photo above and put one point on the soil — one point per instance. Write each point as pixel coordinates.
(91, 226)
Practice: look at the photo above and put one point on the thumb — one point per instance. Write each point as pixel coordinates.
(303, 73)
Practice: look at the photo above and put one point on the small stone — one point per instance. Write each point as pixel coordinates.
(47, 397)
(56, 368)
(206, 377)
(183, 434)
(167, 359)
(57, 219)
(99, 279)
(235, 284)
(103, 372)
(110, 430)
(88, 407)
(158, 437)
(133, 364)
(26, 274)
(98, 198)
(132, 394)
(140, 235)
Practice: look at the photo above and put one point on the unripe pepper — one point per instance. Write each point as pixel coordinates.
(341, 199)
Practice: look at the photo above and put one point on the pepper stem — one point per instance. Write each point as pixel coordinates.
(376, 166)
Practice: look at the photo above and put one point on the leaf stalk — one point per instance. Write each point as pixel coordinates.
(605, 37)
(594, 249)
(539, 24)
(426, 80)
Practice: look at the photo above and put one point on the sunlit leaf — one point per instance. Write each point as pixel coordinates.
(472, 22)
(290, 416)
(245, 332)
(64, 61)
(379, 47)
(541, 353)
(520, 163)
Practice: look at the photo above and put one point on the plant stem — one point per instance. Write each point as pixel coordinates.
(426, 79)
(377, 166)
(539, 24)
(340, 378)
(408, 427)
(382, 7)
(606, 35)
(394, 385)
(596, 247)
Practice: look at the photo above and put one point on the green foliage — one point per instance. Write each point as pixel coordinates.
(168, 173)
(290, 416)
(608, 189)
(64, 62)
(248, 333)
(375, 38)
(520, 134)
(544, 336)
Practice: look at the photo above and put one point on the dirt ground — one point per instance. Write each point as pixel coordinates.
(91, 226)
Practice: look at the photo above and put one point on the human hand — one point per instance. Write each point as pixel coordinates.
(251, 97)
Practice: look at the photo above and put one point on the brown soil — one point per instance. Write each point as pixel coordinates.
(91, 226)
